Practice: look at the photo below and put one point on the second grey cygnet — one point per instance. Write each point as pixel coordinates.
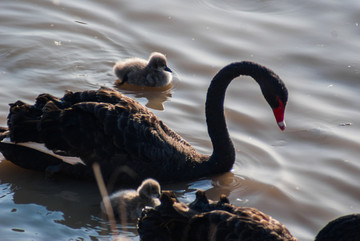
(133, 201)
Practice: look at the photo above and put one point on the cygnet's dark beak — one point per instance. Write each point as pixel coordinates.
(167, 69)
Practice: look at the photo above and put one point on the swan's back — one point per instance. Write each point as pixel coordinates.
(123, 68)
(220, 222)
(219, 225)
(101, 126)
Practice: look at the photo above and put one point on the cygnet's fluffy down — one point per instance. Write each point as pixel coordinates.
(133, 201)
(140, 72)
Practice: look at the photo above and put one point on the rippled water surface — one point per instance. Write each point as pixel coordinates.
(303, 177)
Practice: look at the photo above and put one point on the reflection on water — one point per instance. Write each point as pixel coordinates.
(303, 177)
(155, 96)
(48, 203)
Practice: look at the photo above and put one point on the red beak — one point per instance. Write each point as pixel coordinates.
(279, 115)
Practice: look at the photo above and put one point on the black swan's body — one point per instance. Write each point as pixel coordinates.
(205, 220)
(208, 220)
(125, 138)
(345, 228)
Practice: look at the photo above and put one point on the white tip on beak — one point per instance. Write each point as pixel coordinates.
(282, 125)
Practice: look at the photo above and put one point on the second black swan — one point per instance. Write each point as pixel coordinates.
(127, 140)
(206, 220)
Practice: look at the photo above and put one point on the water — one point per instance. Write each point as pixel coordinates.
(303, 177)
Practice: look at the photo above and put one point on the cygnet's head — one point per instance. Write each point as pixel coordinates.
(149, 188)
(158, 61)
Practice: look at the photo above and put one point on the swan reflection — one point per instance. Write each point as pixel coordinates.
(156, 96)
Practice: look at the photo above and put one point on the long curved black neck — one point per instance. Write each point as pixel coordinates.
(223, 156)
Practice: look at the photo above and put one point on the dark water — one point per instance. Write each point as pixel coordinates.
(303, 177)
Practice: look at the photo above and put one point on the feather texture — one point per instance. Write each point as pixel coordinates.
(207, 220)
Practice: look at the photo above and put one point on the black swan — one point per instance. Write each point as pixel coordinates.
(345, 228)
(133, 201)
(127, 140)
(205, 220)
(139, 72)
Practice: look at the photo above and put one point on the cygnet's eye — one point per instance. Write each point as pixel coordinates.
(161, 66)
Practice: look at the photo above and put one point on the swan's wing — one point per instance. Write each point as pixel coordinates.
(101, 126)
(222, 225)
(162, 222)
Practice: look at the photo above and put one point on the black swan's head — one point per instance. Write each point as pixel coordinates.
(275, 93)
(272, 87)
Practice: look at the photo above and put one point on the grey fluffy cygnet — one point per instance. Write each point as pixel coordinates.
(140, 72)
(133, 201)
